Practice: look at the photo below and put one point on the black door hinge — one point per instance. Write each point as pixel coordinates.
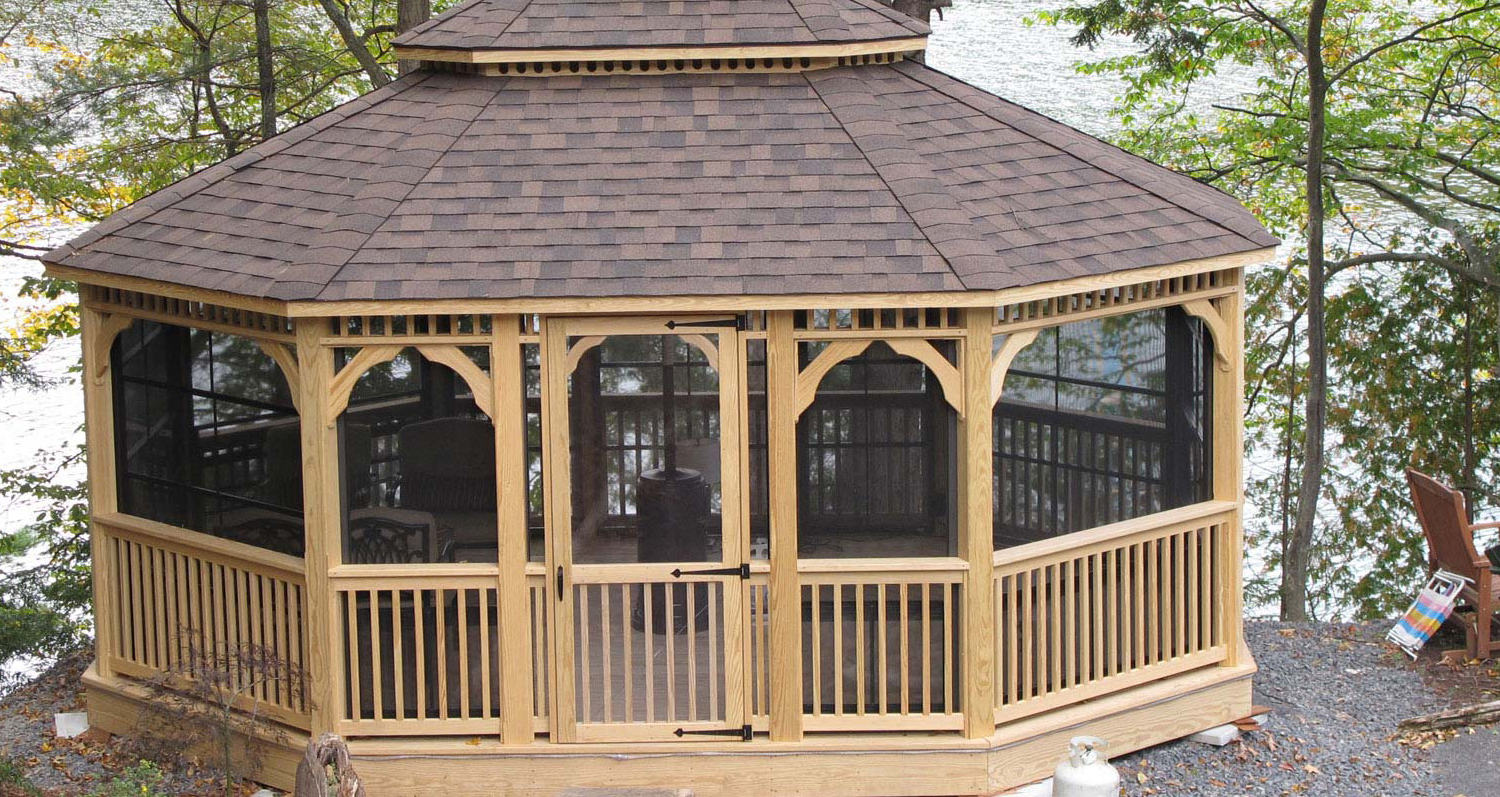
(559, 582)
(737, 323)
(743, 571)
(743, 732)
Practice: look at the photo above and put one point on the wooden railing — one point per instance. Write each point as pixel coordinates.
(178, 602)
(1092, 613)
(880, 644)
(421, 649)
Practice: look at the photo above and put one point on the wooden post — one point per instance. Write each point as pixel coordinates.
(1228, 453)
(976, 535)
(785, 587)
(322, 509)
(514, 598)
(99, 428)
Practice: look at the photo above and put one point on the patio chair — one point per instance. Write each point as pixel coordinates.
(448, 469)
(1450, 546)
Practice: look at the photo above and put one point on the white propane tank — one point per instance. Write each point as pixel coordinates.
(1085, 772)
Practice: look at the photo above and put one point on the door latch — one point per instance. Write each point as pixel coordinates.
(743, 571)
(559, 583)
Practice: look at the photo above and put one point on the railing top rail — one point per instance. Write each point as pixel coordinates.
(207, 546)
(1162, 522)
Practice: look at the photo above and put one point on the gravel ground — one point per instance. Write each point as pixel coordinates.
(68, 767)
(1336, 694)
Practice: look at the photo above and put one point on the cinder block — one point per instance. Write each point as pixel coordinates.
(1218, 737)
(66, 726)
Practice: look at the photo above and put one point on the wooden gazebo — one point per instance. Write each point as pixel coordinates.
(694, 394)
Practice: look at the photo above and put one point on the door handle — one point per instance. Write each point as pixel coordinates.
(559, 582)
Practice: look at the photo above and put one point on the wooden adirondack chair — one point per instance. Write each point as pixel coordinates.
(1450, 545)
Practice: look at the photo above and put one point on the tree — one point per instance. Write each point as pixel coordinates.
(1370, 121)
(124, 97)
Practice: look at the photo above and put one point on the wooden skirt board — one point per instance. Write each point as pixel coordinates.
(827, 765)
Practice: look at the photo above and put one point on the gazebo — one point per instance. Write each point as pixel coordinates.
(694, 394)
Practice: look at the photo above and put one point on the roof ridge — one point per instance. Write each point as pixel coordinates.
(332, 238)
(907, 21)
(955, 247)
(1132, 162)
(169, 195)
(797, 9)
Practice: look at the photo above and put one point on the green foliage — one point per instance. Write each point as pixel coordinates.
(1409, 187)
(145, 779)
(13, 780)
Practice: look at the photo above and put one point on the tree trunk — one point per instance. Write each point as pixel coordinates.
(409, 14)
(1299, 549)
(354, 44)
(266, 67)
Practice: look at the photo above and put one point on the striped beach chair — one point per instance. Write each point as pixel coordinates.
(1428, 612)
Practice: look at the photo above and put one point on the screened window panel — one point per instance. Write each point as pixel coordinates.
(207, 438)
(1100, 421)
(417, 461)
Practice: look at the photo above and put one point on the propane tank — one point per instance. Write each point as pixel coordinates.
(1085, 772)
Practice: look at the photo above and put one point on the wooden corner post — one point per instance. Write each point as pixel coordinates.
(513, 597)
(785, 587)
(976, 536)
(322, 507)
(98, 334)
(1228, 451)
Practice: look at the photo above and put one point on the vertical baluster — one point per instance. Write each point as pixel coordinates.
(377, 651)
(926, 648)
(816, 650)
(419, 648)
(398, 655)
(714, 674)
(440, 605)
(692, 649)
(464, 676)
(351, 641)
(1190, 596)
(606, 646)
(1151, 587)
(487, 699)
(584, 656)
(861, 657)
(883, 674)
(1073, 632)
(1111, 560)
(1054, 626)
(903, 615)
(838, 649)
(646, 600)
(949, 651)
(669, 615)
(627, 632)
(1028, 625)
(1205, 589)
(1180, 594)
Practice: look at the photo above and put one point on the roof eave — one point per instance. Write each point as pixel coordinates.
(902, 44)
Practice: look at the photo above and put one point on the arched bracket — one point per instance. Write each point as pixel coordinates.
(343, 382)
(1014, 343)
(477, 379)
(287, 361)
(342, 386)
(585, 344)
(1218, 330)
(947, 375)
(110, 326)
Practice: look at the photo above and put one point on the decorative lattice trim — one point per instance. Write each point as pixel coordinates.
(187, 312)
(664, 66)
(818, 323)
(1153, 293)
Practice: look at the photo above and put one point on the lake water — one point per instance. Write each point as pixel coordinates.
(984, 42)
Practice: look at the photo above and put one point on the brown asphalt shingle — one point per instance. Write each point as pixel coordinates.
(888, 178)
(571, 24)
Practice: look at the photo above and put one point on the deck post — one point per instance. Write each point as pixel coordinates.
(321, 505)
(976, 538)
(785, 680)
(513, 596)
(99, 429)
(1228, 451)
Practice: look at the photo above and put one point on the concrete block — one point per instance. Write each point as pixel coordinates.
(265, 793)
(66, 726)
(1042, 788)
(1218, 737)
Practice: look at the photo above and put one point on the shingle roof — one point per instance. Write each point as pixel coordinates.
(884, 178)
(584, 24)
